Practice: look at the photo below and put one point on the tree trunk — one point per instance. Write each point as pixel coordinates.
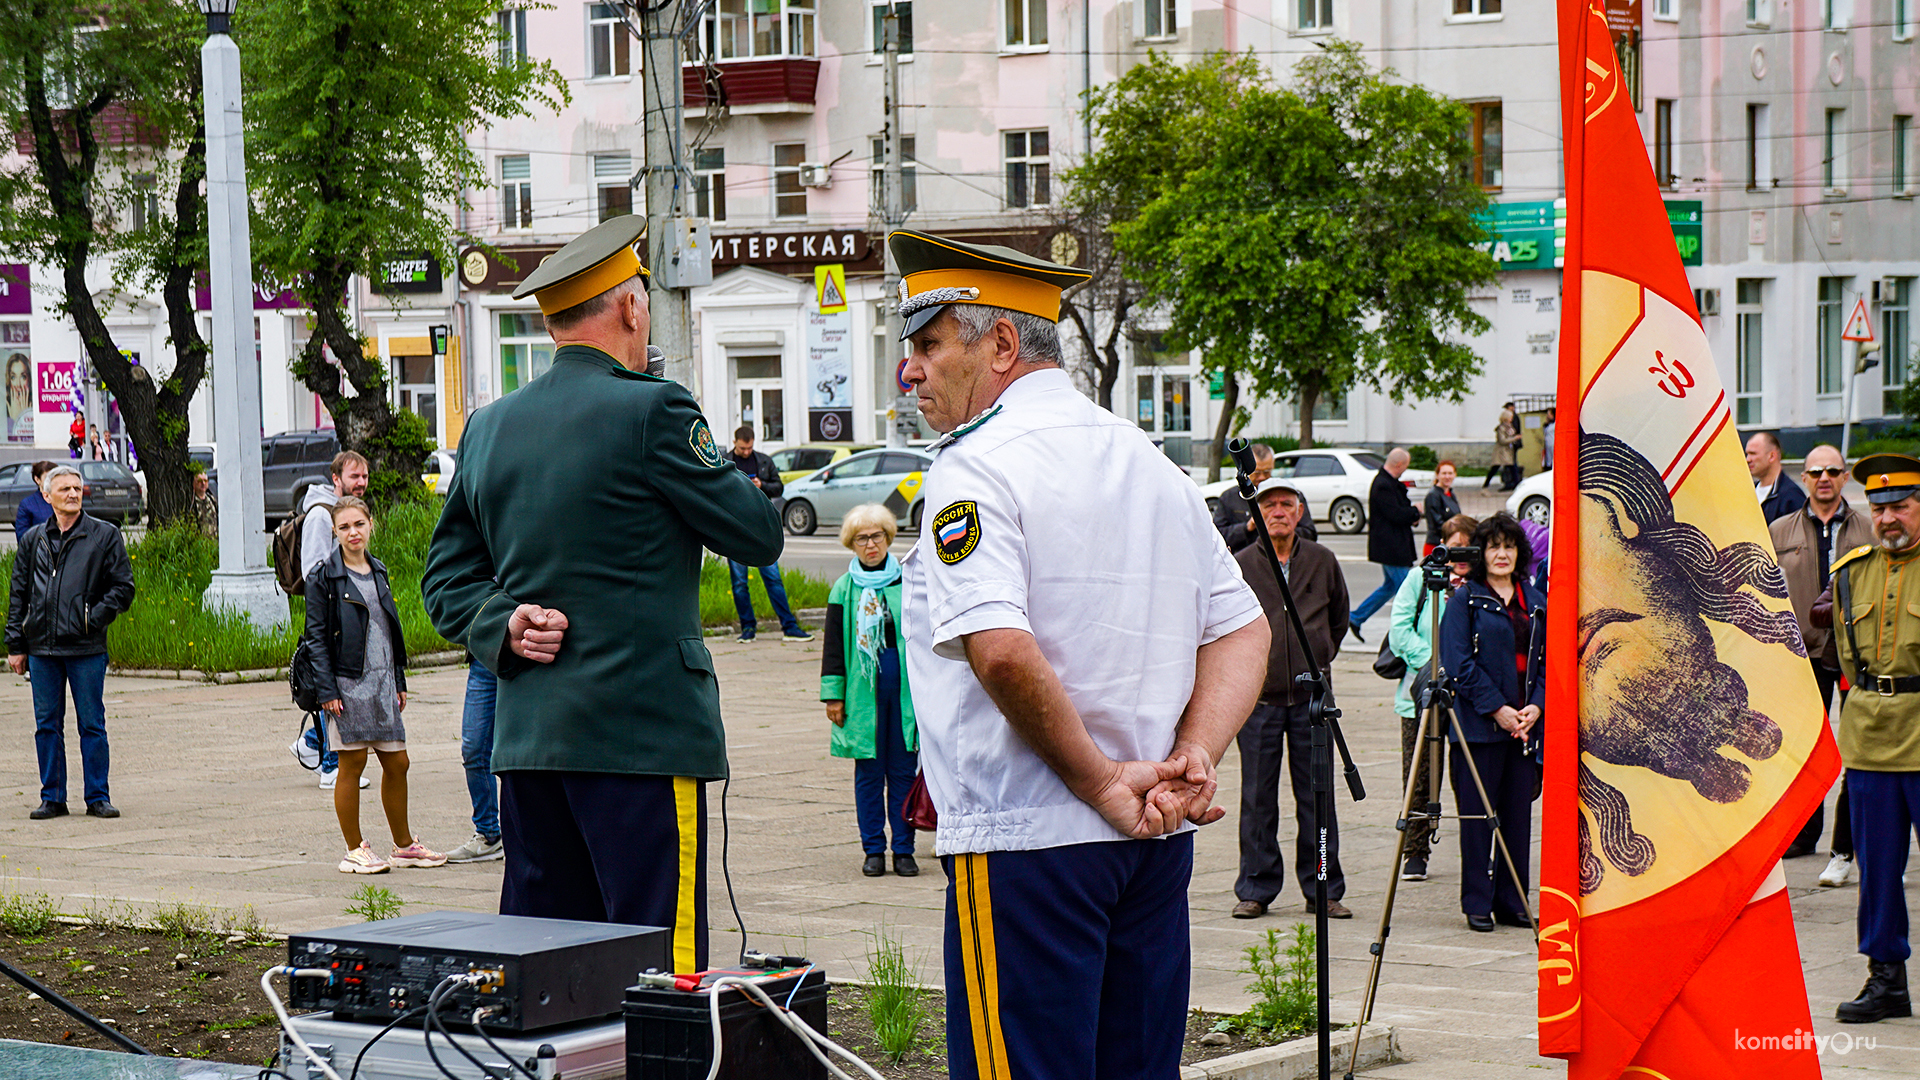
(1309, 400)
(365, 419)
(1110, 371)
(1224, 426)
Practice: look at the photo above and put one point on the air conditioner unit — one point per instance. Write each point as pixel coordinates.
(1707, 301)
(1886, 290)
(815, 174)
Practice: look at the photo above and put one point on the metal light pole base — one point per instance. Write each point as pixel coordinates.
(253, 593)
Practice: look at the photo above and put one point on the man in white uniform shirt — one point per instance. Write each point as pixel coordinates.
(1082, 650)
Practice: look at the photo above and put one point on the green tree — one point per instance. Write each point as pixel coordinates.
(107, 93)
(1311, 238)
(357, 118)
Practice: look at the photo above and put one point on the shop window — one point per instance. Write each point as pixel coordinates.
(526, 352)
(761, 395)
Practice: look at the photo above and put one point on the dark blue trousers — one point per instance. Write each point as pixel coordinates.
(51, 676)
(880, 783)
(1486, 886)
(1886, 809)
(609, 847)
(1068, 963)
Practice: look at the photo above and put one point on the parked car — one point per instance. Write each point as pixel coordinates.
(889, 477)
(437, 471)
(290, 463)
(795, 462)
(1533, 499)
(1335, 481)
(111, 493)
(202, 453)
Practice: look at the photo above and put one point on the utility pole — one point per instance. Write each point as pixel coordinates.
(905, 412)
(665, 191)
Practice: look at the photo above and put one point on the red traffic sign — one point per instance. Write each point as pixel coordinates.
(1859, 324)
(900, 377)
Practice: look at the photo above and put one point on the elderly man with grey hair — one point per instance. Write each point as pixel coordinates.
(71, 577)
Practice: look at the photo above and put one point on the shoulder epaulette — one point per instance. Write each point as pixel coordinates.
(953, 436)
(1850, 556)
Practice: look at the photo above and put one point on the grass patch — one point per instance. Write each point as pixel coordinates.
(804, 590)
(27, 914)
(895, 1004)
(182, 921)
(371, 903)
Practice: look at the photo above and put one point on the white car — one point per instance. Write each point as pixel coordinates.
(437, 471)
(1335, 480)
(1533, 499)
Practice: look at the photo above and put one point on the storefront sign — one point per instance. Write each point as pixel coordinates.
(267, 296)
(58, 383)
(839, 246)
(409, 272)
(16, 361)
(1520, 235)
(1623, 16)
(15, 297)
(502, 271)
(1687, 217)
(830, 376)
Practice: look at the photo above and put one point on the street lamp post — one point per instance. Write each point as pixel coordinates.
(243, 583)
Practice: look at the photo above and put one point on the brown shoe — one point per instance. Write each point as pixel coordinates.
(1249, 909)
(1335, 910)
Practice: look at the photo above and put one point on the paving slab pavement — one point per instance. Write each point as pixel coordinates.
(217, 813)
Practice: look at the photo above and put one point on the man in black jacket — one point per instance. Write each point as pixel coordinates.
(759, 468)
(71, 576)
(1391, 517)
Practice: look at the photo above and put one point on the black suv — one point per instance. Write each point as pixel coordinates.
(293, 462)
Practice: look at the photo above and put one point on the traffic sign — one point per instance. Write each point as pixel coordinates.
(900, 377)
(1859, 325)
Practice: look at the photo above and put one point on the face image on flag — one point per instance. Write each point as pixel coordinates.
(1702, 742)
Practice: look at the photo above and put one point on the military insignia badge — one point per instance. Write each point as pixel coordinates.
(956, 531)
(704, 448)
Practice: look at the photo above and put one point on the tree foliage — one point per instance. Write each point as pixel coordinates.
(1311, 238)
(358, 112)
(107, 93)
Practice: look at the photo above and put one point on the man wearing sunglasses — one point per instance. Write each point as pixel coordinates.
(1806, 542)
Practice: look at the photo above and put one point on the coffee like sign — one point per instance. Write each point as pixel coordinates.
(411, 274)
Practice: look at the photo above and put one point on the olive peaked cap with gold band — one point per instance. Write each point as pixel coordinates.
(1888, 478)
(936, 271)
(594, 262)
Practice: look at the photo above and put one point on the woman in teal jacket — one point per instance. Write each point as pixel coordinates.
(864, 685)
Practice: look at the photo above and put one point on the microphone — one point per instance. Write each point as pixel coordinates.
(657, 363)
(1241, 452)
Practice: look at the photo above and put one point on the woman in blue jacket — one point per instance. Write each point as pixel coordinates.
(1492, 644)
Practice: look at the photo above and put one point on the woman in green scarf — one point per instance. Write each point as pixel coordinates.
(864, 685)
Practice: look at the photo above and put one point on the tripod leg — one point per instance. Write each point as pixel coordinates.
(1379, 947)
(1462, 753)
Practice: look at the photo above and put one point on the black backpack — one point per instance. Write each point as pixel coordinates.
(303, 679)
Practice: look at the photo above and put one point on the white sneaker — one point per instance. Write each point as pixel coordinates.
(362, 860)
(477, 849)
(328, 777)
(1839, 871)
(307, 756)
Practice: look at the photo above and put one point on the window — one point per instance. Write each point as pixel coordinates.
(1666, 9)
(526, 352)
(1176, 402)
(1834, 13)
(903, 11)
(1902, 137)
(1317, 465)
(1759, 149)
(1663, 142)
(856, 467)
(609, 45)
(1759, 12)
(1903, 20)
(789, 197)
(1747, 350)
(1829, 319)
(145, 202)
(762, 404)
(1486, 144)
(516, 192)
(755, 29)
(1318, 14)
(710, 184)
(1029, 175)
(513, 36)
(909, 177)
(1157, 19)
(1833, 153)
(1896, 340)
(1026, 24)
(613, 177)
(1475, 8)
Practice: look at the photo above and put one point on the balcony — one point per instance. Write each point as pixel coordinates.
(780, 85)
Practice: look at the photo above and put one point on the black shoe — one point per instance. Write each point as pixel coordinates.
(1799, 849)
(1480, 923)
(1354, 629)
(875, 866)
(1508, 918)
(102, 809)
(48, 809)
(1415, 869)
(1885, 995)
(905, 866)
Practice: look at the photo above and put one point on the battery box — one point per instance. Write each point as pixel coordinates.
(670, 1031)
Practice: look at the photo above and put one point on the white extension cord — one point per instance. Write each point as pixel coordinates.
(812, 1039)
(286, 1022)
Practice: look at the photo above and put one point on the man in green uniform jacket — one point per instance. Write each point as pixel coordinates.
(567, 560)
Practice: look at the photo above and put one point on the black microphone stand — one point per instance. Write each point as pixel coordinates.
(1323, 722)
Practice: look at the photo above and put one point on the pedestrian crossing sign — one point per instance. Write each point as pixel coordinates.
(1859, 325)
(830, 287)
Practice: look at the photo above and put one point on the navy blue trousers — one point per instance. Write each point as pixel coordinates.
(1068, 963)
(609, 847)
(1886, 809)
(51, 676)
(1486, 886)
(880, 783)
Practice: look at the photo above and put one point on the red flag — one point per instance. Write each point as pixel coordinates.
(1701, 745)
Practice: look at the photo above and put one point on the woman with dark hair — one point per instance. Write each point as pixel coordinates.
(1492, 644)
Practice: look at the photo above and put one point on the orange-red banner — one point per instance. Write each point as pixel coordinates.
(1700, 744)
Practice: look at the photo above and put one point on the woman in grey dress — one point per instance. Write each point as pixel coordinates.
(353, 630)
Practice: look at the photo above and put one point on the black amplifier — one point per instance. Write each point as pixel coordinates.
(539, 972)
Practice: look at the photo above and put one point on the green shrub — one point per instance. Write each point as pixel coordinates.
(1424, 457)
(895, 1004)
(1286, 998)
(373, 903)
(804, 590)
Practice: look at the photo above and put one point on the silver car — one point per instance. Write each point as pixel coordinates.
(889, 477)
